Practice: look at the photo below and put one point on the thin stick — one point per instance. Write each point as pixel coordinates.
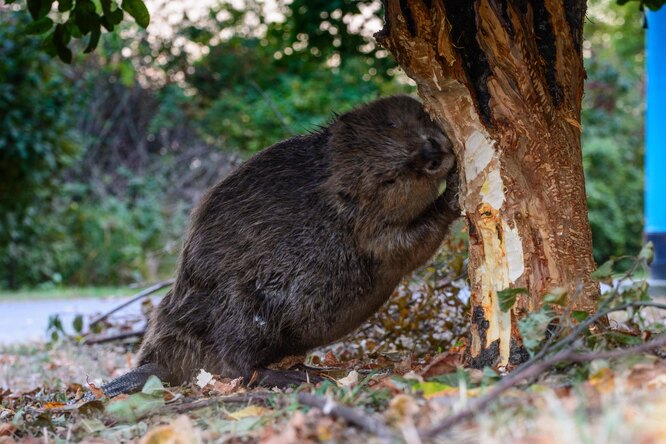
(353, 416)
(112, 338)
(147, 292)
(327, 405)
(534, 370)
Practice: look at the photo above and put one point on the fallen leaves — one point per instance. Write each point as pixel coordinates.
(179, 431)
(249, 411)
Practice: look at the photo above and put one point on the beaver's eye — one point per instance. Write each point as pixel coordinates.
(391, 124)
(388, 182)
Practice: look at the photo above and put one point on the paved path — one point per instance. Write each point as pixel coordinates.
(23, 321)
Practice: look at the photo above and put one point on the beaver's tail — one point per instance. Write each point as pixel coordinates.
(134, 380)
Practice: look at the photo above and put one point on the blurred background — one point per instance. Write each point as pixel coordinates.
(101, 160)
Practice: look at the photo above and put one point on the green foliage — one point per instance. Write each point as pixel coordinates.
(613, 122)
(79, 19)
(507, 297)
(36, 140)
(650, 4)
(255, 91)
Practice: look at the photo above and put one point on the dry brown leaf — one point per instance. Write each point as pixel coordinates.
(330, 360)
(226, 386)
(404, 366)
(402, 407)
(7, 429)
(288, 362)
(252, 410)
(290, 434)
(179, 431)
(603, 380)
(54, 405)
(96, 391)
(350, 380)
(442, 364)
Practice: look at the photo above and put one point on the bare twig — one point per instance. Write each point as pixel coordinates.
(328, 406)
(353, 416)
(112, 338)
(147, 292)
(532, 371)
(272, 106)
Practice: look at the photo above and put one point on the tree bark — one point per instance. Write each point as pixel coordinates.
(505, 80)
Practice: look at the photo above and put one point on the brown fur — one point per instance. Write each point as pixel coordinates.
(305, 241)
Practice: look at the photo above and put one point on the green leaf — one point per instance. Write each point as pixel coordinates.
(116, 16)
(77, 324)
(507, 297)
(533, 328)
(604, 272)
(647, 253)
(133, 407)
(153, 386)
(430, 388)
(94, 39)
(60, 40)
(557, 296)
(620, 338)
(39, 8)
(138, 10)
(65, 5)
(579, 316)
(39, 26)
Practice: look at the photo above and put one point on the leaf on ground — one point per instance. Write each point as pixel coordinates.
(349, 381)
(402, 407)
(179, 431)
(93, 425)
(134, 406)
(250, 411)
(288, 362)
(603, 380)
(226, 386)
(53, 405)
(7, 429)
(442, 364)
(431, 389)
(96, 391)
(153, 386)
(330, 360)
(91, 407)
(203, 378)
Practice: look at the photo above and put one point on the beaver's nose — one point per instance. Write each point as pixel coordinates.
(432, 154)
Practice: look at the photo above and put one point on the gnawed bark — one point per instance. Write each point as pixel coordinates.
(505, 79)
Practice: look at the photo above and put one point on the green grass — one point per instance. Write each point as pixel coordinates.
(66, 293)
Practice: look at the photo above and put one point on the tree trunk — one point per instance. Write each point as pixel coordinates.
(505, 80)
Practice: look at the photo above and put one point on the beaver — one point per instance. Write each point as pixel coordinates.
(301, 244)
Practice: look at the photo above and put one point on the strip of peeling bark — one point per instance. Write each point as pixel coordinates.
(505, 79)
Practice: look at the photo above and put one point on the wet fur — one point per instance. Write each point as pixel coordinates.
(304, 242)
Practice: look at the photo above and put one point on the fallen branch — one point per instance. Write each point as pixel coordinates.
(353, 416)
(527, 373)
(197, 404)
(147, 292)
(550, 345)
(328, 406)
(111, 338)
